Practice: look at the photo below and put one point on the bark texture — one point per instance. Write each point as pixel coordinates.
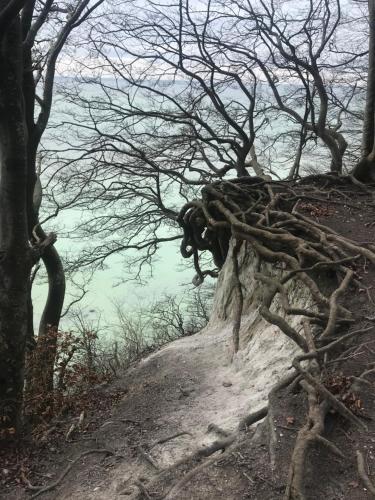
(365, 170)
(15, 252)
(42, 360)
(369, 115)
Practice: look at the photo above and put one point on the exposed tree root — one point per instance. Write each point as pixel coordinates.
(253, 418)
(333, 310)
(289, 380)
(218, 430)
(54, 484)
(238, 299)
(312, 429)
(220, 445)
(142, 489)
(169, 438)
(309, 433)
(204, 453)
(265, 215)
(363, 474)
(147, 457)
(172, 493)
(325, 393)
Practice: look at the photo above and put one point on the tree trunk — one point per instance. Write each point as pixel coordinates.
(365, 170)
(41, 362)
(15, 253)
(52, 310)
(369, 114)
(294, 171)
(40, 379)
(337, 146)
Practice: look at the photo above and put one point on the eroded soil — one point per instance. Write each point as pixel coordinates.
(159, 412)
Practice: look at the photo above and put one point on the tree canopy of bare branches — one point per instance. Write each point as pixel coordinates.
(32, 35)
(170, 99)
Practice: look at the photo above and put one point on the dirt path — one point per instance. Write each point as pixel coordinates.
(172, 398)
(179, 398)
(183, 388)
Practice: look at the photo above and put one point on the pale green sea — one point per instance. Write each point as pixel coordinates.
(170, 274)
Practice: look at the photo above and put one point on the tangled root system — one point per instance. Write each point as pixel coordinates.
(266, 215)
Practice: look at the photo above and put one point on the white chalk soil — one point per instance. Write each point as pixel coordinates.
(178, 391)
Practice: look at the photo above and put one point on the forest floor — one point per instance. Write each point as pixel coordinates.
(140, 428)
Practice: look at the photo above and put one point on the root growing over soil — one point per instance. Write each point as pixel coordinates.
(68, 468)
(265, 216)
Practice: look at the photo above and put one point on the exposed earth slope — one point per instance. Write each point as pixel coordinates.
(182, 429)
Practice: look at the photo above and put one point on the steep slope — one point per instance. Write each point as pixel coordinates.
(193, 424)
(187, 386)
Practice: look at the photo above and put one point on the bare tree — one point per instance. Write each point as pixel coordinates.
(162, 114)
(300, 50)
(151, 326)
(16, 256)
(180, 97)
(46, 28)
(32, 35)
